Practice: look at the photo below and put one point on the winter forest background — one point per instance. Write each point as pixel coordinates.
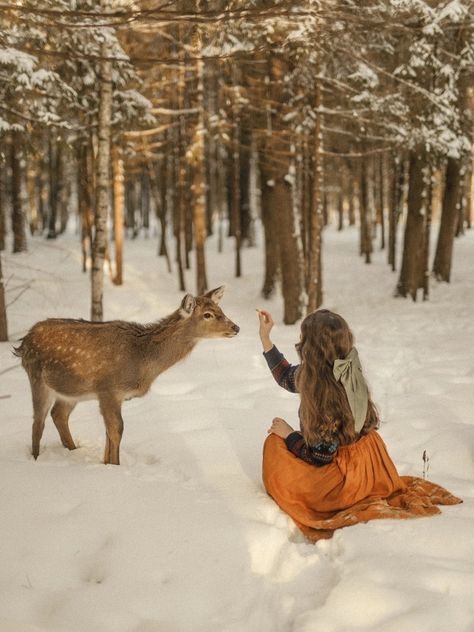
(304, 153)
(189, 118)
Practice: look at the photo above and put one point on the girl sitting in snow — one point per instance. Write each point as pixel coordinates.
(336, 471)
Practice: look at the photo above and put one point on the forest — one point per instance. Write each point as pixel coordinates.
(181, 120)
(283, 156)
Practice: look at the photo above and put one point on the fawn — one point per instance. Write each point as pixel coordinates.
(69, 360)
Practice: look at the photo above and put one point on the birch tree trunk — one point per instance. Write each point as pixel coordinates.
(102, 186)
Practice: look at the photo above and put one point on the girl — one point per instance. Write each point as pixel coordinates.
(336, 470)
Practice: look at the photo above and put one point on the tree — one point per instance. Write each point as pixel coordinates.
(99, 244)
(3, 308)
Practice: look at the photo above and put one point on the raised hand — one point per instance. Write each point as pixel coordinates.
(266, 325)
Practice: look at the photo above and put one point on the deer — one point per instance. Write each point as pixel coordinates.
(72, 360)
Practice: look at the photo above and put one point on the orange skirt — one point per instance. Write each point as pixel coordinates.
(360, 484)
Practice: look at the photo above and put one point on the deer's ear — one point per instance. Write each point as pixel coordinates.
(216, 294)
(187, 306)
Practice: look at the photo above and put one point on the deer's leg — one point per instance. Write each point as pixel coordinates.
(111, 412)
(60, 414)
(42, 400)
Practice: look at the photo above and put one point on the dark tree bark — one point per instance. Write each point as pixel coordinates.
(246, 227)
(158, 192)
(3, 308)
(84, 203)
(119, 203)
(352, 195)
(428, 216)
(131, 207)
(449, 215)
(53, 166)
(271, 243)
(145, 201)
(381, 200)
(340, 205)
(2, 209)
(18, 213)
(395, 208)
(318, 217)
(199, 172)
(365, 213)
(468, 199)
(412, 270)
(235, 209)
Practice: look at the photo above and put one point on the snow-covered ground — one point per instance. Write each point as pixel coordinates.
(182, 537)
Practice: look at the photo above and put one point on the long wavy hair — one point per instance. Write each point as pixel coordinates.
(324, 411)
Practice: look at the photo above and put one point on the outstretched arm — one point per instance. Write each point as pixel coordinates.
(283, 372)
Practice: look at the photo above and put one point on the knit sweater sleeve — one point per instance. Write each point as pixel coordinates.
(319, 455)
(283, 372)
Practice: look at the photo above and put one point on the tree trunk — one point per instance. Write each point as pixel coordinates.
(102, 186)
(84, 205)
(315, 228)
(63, 188)
(198, 155)
(18, 214)
(52, 189)
(382, 201)
(281, 236)
(428, 216)
(2, 210)
(352, 198)
(395, 209)
(449, 215)
(340, 204)
(158, 192)
(247, 228)
(468, 199)
(119, 199)
(236, 174)
(269, 220)
(33, 198)
(3, 308)
(291, 255)
(412, 271)
(364, 208)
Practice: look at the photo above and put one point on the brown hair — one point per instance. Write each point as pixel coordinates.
(325, 412)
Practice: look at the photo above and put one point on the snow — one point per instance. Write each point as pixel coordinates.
(182, 537)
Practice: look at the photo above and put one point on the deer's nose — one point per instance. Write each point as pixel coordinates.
(236, 328)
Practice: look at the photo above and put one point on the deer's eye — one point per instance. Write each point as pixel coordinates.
(208, 315)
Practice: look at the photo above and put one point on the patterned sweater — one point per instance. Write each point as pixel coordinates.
(285, 375)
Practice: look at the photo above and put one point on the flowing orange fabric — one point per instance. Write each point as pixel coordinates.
(360, 484)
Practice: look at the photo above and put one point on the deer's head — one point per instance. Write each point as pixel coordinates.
(205, 317)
